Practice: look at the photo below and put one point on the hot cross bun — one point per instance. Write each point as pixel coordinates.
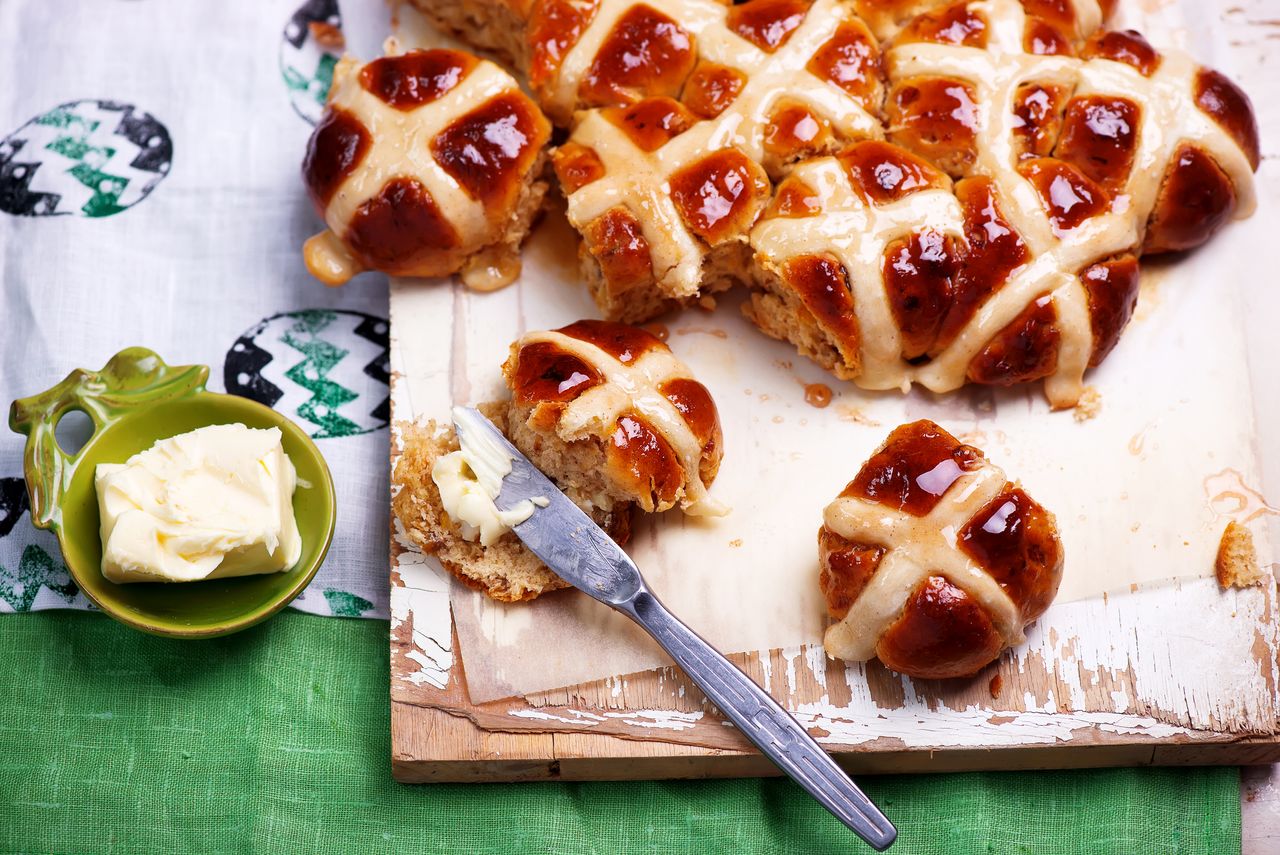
(668, 170)
(1029, 93)
(619, 396)
(608, 413)
(879, 268)
(932, 561)
(425, 164)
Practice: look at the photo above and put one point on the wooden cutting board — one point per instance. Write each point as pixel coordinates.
(1184, 674)
(1179, 673)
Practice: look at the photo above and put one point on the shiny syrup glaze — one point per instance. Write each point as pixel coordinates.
(554, 28)
(721, 195)
(489, 151)
(919, 273)
(1112, 289)
(711, 89)
(1196, 199)
(955, 25)
(401, 229)
(623, 342)
(646, 53)
(335, 149)
(1037, 112)
(1025, 350)
(937, 118)
(547, 373)
(645, 464)
(942, 633)
(822, 285)
(885, 173)
(1059, 13)
(994, 249)
(817, 395)
(1100, 138)
(917, 465)
(694, 403)
(793, 129)
(419, 77)
(576, 166)
(1067, 196)
(616, 241)
(1015, 540)
(850, 60)
(1225, 103)
(1043, 39)
(1127, 46)
(794, 198)
(651, 123)
(847, 567)
(767, 24)
(660, 331)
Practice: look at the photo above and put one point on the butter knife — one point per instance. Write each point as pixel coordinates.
(581, 553)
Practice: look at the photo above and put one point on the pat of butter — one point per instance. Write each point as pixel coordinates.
(214, 502)
(469, 481)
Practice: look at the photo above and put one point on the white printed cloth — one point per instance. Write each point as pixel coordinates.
(150, 195)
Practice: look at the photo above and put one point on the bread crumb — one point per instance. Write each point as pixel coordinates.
(736, 542)
(1089, 405)
(996, 684)
(1237, 563)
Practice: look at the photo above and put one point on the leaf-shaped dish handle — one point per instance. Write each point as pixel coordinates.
(134, 377)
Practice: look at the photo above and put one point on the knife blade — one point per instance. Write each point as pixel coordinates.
(579, 551)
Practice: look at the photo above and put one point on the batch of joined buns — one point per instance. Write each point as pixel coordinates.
(918, 192)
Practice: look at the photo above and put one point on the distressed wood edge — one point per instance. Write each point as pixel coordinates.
(599, 757)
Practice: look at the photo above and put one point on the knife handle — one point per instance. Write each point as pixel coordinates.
(762, 720)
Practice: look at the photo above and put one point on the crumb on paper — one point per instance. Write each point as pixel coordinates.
(1236, 565)
(327, 35)
(707, 302)
(1089, 405)
(850, 413)
(736, 542)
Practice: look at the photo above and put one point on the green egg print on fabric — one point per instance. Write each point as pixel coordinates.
(31, 573)
(92, 158)
(309, 49)
(327, 369)
(345, 603)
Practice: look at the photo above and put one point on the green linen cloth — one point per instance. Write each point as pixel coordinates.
(277, 740)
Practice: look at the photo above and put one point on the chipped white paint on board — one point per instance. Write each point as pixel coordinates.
(1130, 641)
(422, 597)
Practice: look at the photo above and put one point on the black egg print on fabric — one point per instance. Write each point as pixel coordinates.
(28, 557)
(90, 157)
(329, 369)
(310, 47)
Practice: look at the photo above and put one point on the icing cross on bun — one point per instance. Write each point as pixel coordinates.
(877, 268)
(665, 179)
(1070, 167)
(425, 164)
(932, 561)
(606, 411)
(998, 88)
(622, 389)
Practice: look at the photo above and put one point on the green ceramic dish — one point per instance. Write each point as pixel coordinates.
(134, 401)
